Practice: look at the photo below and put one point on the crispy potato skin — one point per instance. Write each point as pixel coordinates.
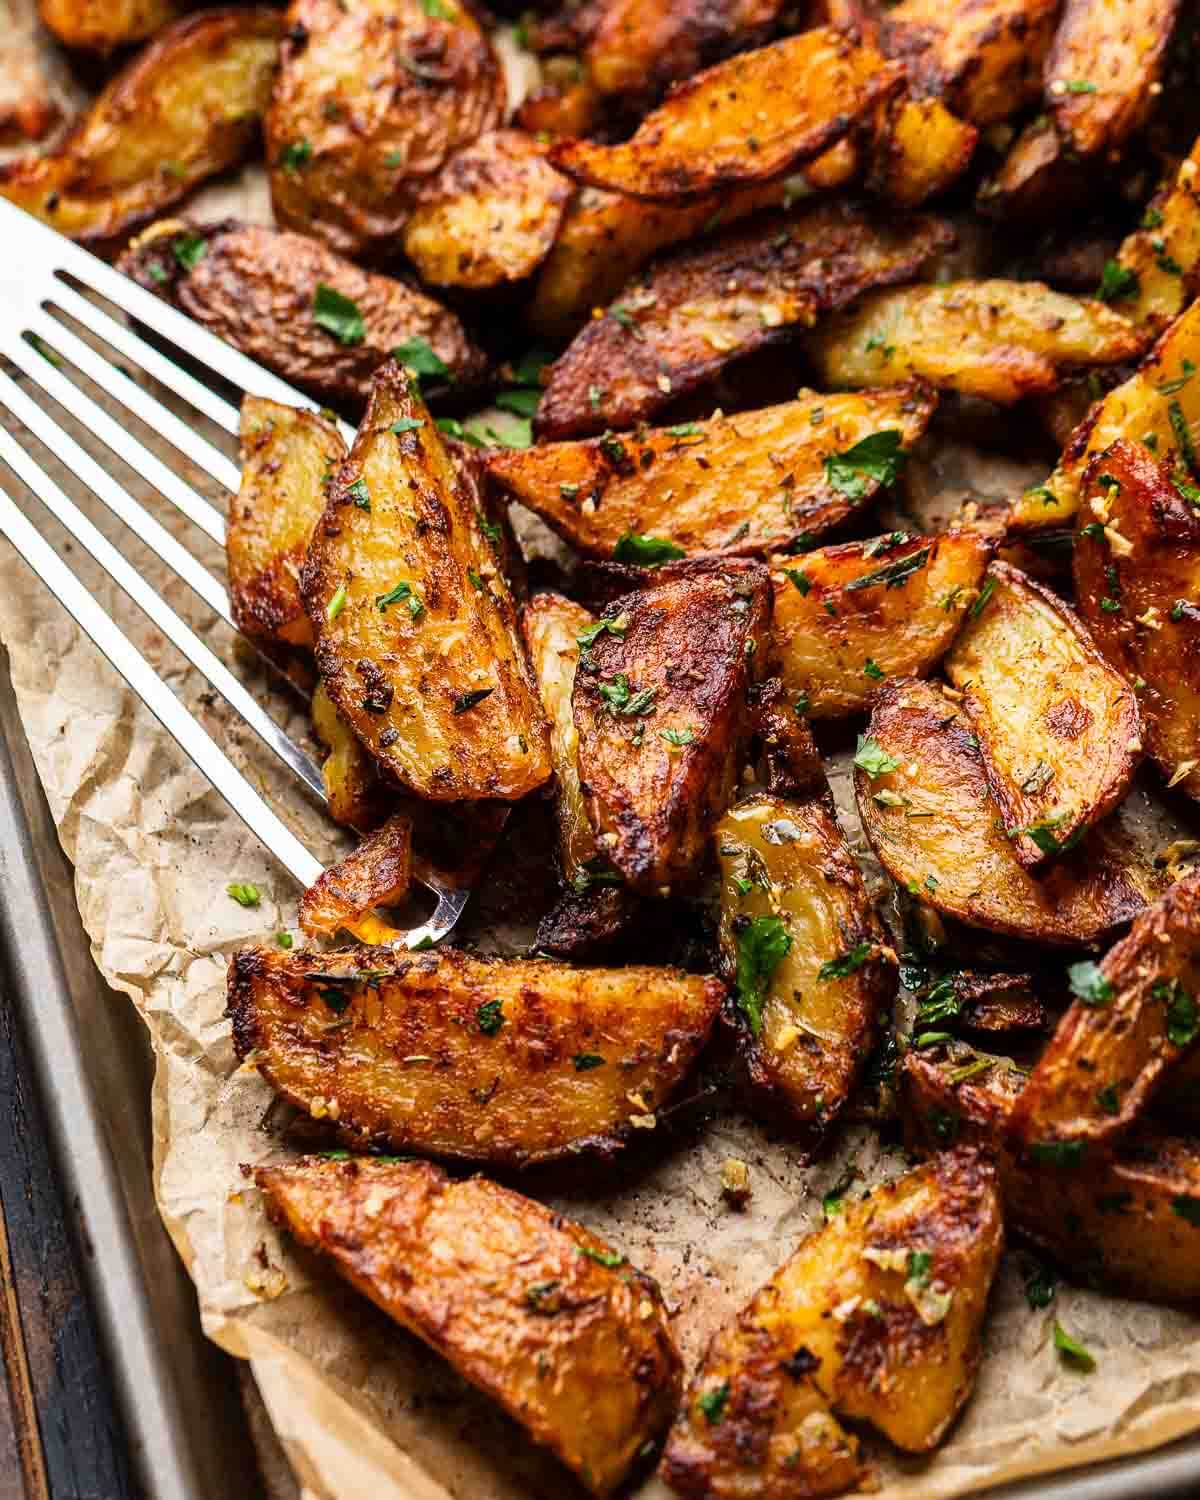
(792, 765)
(734, 484)
(1105, 1060)
(255, 287)
(490, 215)
(827, 626)
(461, 1057)
(406, 675)
(1120, 51)
(1153, 634)
(101, 25)
(355, 796)
(696, 142)
(1003, 340)
(383, 93)
(976, 877)
(696, 310)
(695, 640)
(504, 1289)
(1059, 730)
(1164, 254)
(186, 108)
(1139, 409)
(1114, 1219)
(287, 454)
(377, 873)
(814, 1034)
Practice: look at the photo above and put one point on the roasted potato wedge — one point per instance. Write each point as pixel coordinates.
(920, 150)
(1144, 558)
(1102, 68)
(807, 952)
(278, 298)
(994, 1005)
(505, 1290)
(881, 1310)
(1059, 730)
(1038, 180)
(1003, 340)
(377, 873)
(507, 1061)
(355, 796)
(1158, 406)
(741, 120)
(288, 454)
(490, 215)
(1125, 1220)
(739, 484)
(1160, 260)
(416, 632)
(101, 25)
(927, 810)
(186, 108)
(849, 616)
(696, 310)
(371, 101)
(1134, 1018)
(662, 714)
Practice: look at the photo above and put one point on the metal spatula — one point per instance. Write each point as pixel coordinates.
(42, 273)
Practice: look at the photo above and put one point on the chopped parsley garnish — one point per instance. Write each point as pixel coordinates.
(985, 593)
(847, 963)
(877, 458)
(920, 1267)
(295, 155)
(873, 670)
(1072, 1350)
(762, 945)
(1040, 1286)
(1089, 984)
(1169, 387)
(677, 737)
(284, 940)
(800, 579)
(521, 403)
(646, 551)
(894, 574)
(338, 315)
(476, 582)
(873, 759)
(621, 698)
(586, 1061)
(336, 604)
(489, 1017)
(1183, 1021)
(1183, 434)
(685, 429)
(713, 1402)
(415, 354)
(405, 424)
(244, 892)
(1116, 281)
(1078, 86)
(404, 594)
(189, 250)
(466, 701)
(359, 493)
(590, 634)
(610, 1258)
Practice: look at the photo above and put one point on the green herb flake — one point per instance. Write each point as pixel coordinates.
(870, 757)
(762, 945)
(1078, 86)
(467, 701)
(873, 670)
(920, 1268)
(1072, 1351)
(610, 1258)
(713, 1402)
(677, 737)
(338, 315)
(417, 355)
(646, 551)
(359, 493)
(1183, 434)
(404, 594)
(1041, 1284)
(1116, 281)
(284, 940)
(244, 892)
(845, 965)
(985, 593)
(586, 1061)
(1183, 1021)
(406, 424)
(489, 1017)
(877, 458)
(1089, 984)
(336, 604)
(294, 156)
(894, 575)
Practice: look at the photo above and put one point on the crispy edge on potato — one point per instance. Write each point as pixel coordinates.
(1102, 67)
(925, 806)
(377, 873)
(1059, 729)
(101, 25)
(1134, 1018)
(794, 908)
(792, 765)
(187, 107)
(416, 632)
(287, 455)
(1163, 253)
(741, 120)
(1137, 584)
(504, 1289)
(1127, 1220)
(1002, 340)
(370, 102)
(503, 1060)
(697, 309)
(1158, 406)
(663, 716)
(261, 290)
(735, 484)
(354, 793)
(490, 216)
(849, 616)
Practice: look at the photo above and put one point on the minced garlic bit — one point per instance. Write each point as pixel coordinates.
(845, 1310)
(735, 1180)
(664, 384)
(319, 1108)
(643, 1122)
(267, 1282)
(1121, 545)
(1150, 619)
(887, 1259)
(932, 1303)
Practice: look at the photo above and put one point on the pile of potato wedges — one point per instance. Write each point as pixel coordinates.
(655, 356)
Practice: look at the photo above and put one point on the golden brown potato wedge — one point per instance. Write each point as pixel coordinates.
(739, 484)
(1003, 340)
(505, 1290)
(1102, 68)
(186, 108)
(1159, 263)
(566, 103)
(741, 120)
(355, 796)
(662, 713)
(1126, 1220)
(698, 309)
(1137, 582)
(982, 57)
(919, 150)
(1059, 730)
(1158, 406)
(288, 455)
(807, 953)
(416, 632)
(881, 1310)
(507, 1061)
(377, 873)
(848, 617)
(101, 25)
(1134, 1017)
(926, 808)
(490, 215)
(296, 307)
(371, 101)
(1038, 182)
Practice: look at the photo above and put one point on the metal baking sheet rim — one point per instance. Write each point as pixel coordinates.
(165, 1430)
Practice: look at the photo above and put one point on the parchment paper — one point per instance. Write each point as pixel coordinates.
(360, 1407)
